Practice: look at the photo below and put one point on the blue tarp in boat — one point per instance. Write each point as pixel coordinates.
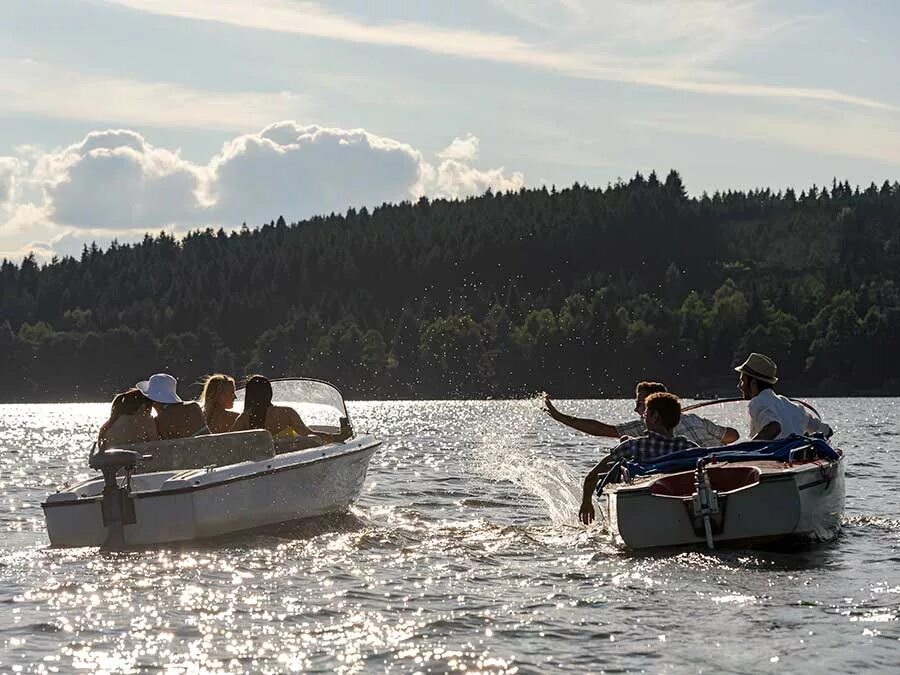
(686, 460)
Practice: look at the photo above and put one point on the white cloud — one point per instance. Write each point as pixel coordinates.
(298, 170)
(661, 21)
(115, 184)
(55, 91)
(456, 179)
(26, 227)
(676, 32)
(464, 149)
(9, 167)
(115, 179)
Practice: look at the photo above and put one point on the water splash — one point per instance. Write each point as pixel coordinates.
(509, 456)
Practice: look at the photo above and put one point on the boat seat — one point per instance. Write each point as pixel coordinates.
(722, 479)
(196, 452)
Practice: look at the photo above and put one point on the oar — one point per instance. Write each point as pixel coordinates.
(703, 404)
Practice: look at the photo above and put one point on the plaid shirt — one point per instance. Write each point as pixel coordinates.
(704, 432)
(650, 447)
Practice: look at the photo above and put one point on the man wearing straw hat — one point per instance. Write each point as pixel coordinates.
(773, 416)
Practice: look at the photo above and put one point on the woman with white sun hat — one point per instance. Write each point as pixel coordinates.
(175, 418)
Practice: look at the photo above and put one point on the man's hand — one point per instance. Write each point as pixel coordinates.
(586, 512)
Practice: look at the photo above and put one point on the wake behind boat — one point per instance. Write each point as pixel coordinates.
(753, 493)
(218, 484)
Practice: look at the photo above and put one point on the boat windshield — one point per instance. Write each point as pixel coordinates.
(318, 403)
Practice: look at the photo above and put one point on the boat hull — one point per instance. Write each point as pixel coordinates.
(802, 502)
(192, 504)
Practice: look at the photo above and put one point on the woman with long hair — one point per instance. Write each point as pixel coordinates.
(129, 421)
(259, 413)
(217, 398)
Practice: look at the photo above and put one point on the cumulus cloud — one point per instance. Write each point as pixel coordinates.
(463, 149)
(26, 227)
(9, 167)
(116, 184)
(300, 170)
(115, 179)
(455, 179)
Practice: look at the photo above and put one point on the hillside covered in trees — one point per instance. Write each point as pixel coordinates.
(580, 291)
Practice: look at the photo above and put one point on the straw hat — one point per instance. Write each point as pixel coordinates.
(761, 367)
(160, 388)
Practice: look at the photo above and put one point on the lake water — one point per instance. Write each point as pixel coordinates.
(463, 553)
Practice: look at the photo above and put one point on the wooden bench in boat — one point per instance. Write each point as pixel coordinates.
(196, 452)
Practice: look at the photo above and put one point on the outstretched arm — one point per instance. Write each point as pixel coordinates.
(592, 427)
(586, 512)
(298, 424)
(301, 428)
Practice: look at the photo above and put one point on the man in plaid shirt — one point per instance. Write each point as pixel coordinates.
(662, 415)
(645, 449)
(704, 432)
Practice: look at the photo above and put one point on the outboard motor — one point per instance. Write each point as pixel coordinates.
(705, 500)
(117, 505)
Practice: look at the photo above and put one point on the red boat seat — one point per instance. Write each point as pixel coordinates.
(723, 479)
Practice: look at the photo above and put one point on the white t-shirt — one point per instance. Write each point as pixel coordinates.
(767, 407)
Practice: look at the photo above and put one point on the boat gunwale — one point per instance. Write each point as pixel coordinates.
(788, 472)
(150, 494)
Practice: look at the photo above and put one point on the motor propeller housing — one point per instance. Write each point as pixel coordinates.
(117, 508)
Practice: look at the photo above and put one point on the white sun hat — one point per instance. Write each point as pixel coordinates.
(160, 388)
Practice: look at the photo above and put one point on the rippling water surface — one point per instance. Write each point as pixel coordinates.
(463, 553)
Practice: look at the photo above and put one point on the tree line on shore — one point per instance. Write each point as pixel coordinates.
(580, 291)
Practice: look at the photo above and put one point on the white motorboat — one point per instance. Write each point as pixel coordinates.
(213, 485)
(751, 494)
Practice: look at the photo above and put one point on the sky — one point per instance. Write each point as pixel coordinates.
(119, 117)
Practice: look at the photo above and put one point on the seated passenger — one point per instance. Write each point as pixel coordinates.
(773, 416)
(129, 421)
(174, 417)
(217, 398)
(280, 421)
(663, 411)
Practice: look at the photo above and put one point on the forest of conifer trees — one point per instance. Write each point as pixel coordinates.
(580, 292)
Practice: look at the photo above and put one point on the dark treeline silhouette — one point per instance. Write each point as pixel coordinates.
(580, 291)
